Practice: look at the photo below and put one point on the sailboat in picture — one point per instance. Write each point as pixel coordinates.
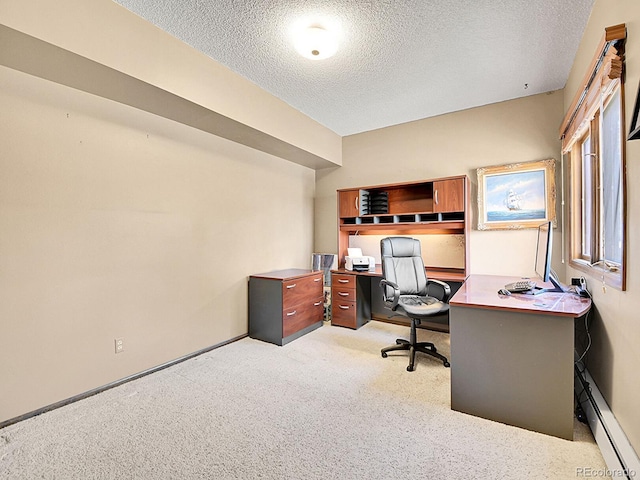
(513, 201)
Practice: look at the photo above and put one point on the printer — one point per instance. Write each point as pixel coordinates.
(357, 262)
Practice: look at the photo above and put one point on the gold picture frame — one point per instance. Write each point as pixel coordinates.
(515, 196)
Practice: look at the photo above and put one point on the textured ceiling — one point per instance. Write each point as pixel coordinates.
(398, 60)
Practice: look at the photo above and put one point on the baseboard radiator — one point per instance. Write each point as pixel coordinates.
(620, 457)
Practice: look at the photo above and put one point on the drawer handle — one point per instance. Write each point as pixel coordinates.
(317, 279)
(343, 307)
(291, 286)
(290, 314)
(343, 294)
(340, 280)
(317, 303)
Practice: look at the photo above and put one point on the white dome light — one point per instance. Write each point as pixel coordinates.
(316, 43)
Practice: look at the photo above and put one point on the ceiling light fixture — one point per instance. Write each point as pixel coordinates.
(316, 43)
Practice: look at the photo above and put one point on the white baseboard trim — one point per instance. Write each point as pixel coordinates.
(620, 457)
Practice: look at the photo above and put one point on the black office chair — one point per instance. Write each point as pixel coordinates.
(408, 292)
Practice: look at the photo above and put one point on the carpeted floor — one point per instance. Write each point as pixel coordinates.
(326, 406)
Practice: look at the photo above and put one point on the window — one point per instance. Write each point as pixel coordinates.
(593, 139)
(586, 198)
(612, 185)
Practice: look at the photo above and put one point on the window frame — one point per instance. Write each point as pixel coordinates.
(593, 262)
(581, 127)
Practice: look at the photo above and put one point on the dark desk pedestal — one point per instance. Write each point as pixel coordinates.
(512, 356)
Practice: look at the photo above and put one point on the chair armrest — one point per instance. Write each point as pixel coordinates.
(446, 289)
(390, 302)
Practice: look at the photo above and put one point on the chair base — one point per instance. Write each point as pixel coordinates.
(413, 347)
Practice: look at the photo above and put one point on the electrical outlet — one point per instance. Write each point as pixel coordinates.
(119, 342)
(580, 285)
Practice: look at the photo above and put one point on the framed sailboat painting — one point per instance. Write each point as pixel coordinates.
(519, 195)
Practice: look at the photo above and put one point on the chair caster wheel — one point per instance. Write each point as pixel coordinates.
(384, 354)
(409, 369)
(398, 341)
(447, 364)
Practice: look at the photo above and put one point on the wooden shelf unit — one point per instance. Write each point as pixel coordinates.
(428, 207)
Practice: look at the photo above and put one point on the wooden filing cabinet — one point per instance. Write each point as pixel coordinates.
(350, 300)
(285, 304)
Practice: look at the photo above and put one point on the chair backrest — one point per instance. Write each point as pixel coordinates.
(402, 264)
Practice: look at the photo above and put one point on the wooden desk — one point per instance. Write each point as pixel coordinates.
(443, 274)
(356, 297)
(512, 356)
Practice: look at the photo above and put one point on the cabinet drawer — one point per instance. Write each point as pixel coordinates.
(343, 280)
(343, 294)
(343, 313)
(300, 290)
(307, 313)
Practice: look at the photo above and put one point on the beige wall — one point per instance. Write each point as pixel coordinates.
(104, 32)
(455, 144)
(119, 223)
(614, 359)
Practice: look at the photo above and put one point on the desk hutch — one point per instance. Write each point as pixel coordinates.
(428, 207)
